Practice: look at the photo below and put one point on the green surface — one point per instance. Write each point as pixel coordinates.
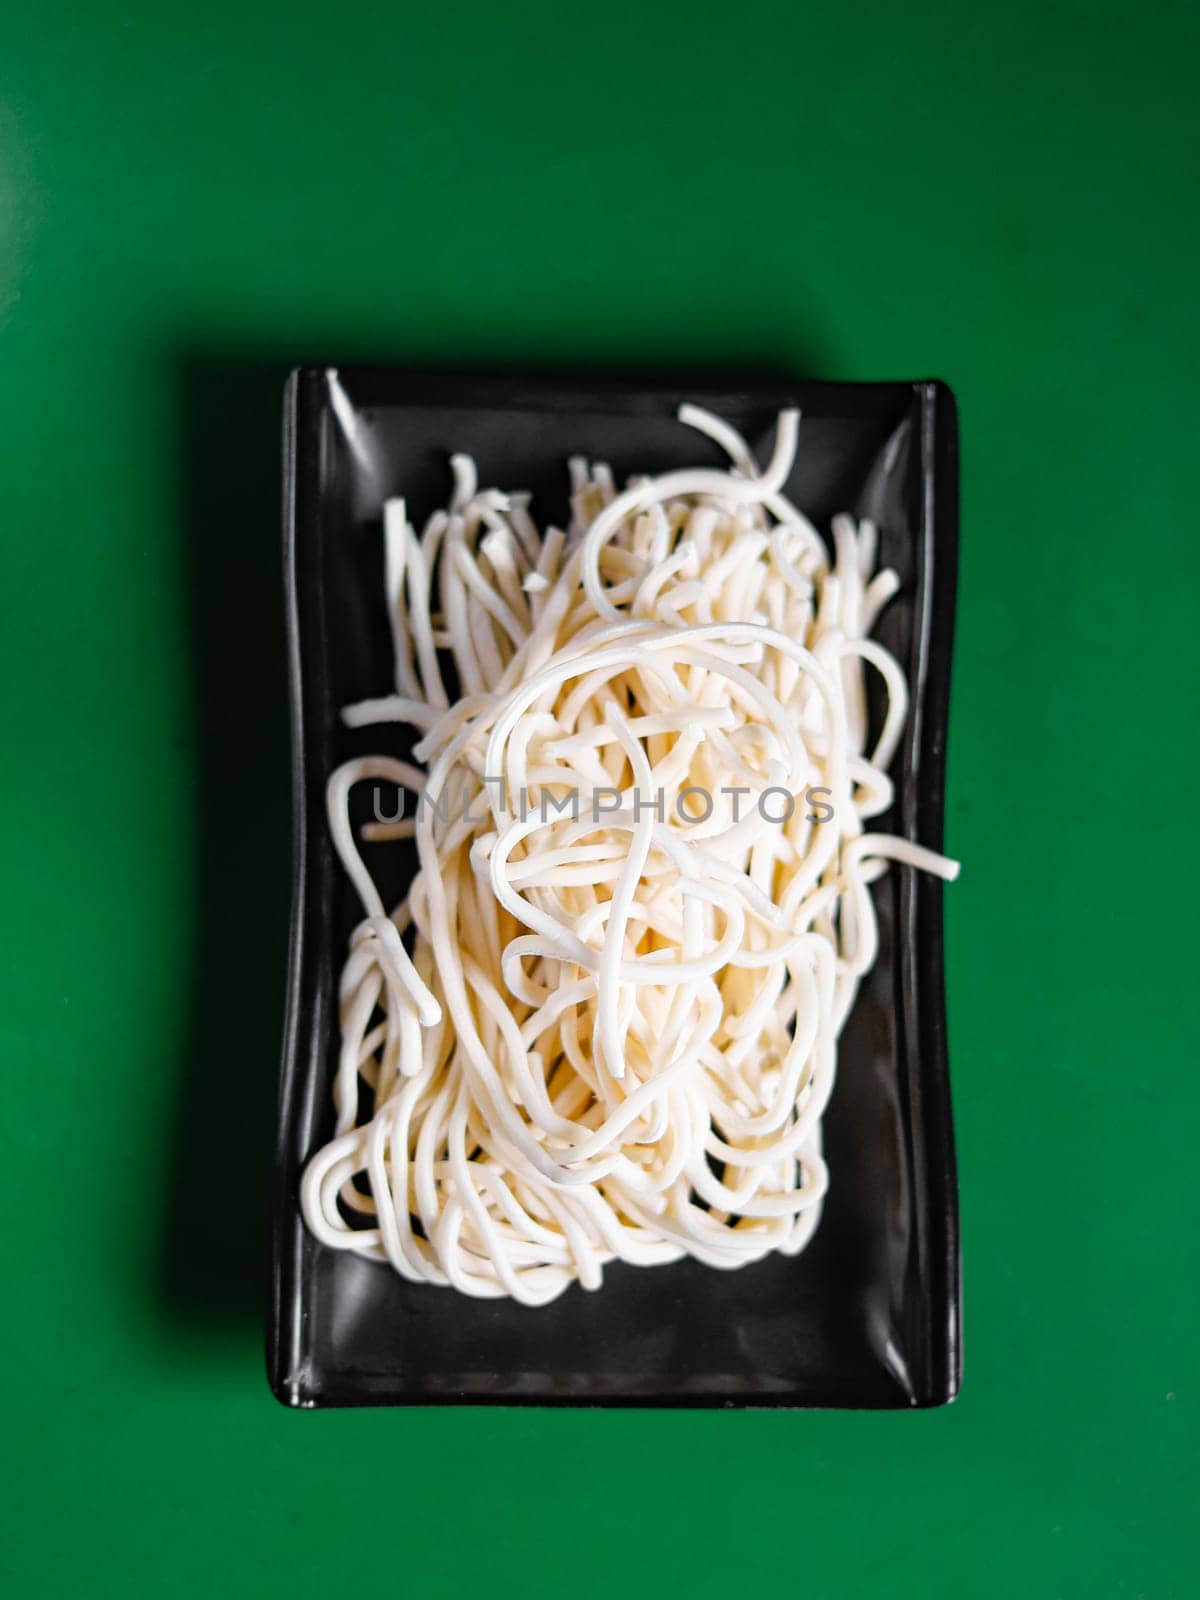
(1002, 196)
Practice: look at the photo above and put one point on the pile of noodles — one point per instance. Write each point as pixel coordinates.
(602, 1025)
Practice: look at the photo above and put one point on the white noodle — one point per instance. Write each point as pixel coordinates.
(602, 1026)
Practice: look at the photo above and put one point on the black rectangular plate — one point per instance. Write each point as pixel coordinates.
(868, 1315)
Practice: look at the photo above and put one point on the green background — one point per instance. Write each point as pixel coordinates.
(1003, 196)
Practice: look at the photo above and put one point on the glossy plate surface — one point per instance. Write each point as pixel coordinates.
(868, 1315)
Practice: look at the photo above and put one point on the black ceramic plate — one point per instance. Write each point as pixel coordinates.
(868, 1315)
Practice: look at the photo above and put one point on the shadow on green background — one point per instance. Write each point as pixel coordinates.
(214, 1240)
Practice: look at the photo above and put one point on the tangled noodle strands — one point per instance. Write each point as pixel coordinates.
(603, 1023)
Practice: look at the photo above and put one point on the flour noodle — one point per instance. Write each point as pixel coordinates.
(602, 1025)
